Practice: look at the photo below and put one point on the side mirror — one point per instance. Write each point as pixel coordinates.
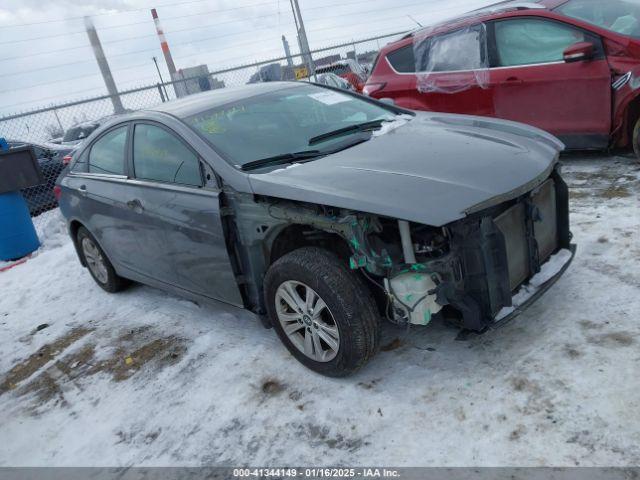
(579, 52)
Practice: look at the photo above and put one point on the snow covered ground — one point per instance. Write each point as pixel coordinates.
(145, 378)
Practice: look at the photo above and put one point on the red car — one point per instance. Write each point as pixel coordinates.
(348, 69)
(570, 67)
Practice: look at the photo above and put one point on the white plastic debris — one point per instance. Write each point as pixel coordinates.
(387, 127)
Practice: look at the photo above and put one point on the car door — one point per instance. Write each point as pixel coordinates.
(533, 84)
(99, 179)
(183, 232)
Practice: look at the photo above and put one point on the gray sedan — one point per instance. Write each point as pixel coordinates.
(322, 211)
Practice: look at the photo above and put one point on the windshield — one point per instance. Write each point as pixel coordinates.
(283, 122)
(619, 16)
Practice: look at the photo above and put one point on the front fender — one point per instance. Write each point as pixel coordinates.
(626, 103)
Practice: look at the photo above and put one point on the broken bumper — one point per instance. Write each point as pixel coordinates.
(509, 257)
(536, 287)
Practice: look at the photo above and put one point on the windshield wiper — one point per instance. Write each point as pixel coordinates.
(358, 127)
(280, 159)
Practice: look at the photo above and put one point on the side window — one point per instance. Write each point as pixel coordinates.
(107, 154)
(530, 41)
(457, 51)
(402, 60)
(160, 156)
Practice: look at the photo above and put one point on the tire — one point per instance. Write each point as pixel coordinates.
(104, 275)
(347, 307)
(635, 139)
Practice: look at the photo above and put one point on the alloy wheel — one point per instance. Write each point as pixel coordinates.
(95, 261)
(307, 321)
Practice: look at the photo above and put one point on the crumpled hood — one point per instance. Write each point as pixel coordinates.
(432, 170)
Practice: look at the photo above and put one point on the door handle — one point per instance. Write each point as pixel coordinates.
(512, 81)
(82, 189)
(135, 205)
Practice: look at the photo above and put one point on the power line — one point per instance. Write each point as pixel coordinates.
(22, 72)
(215, 37)
(145, 22)
(253, 42)
(206, 38)
(145, 64)
(173, 4)
(174, 17)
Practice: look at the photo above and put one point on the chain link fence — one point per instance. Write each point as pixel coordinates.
(55, 131)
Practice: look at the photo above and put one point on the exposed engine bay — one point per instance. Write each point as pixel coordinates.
(467, 271)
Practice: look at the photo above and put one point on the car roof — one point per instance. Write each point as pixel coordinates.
(477, 16)
(199, 102)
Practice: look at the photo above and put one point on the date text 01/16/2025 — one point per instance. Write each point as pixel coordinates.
(315, 472)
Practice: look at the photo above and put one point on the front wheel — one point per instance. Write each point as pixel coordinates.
(322, 312)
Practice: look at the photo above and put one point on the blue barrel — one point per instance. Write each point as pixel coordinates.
(18, 236)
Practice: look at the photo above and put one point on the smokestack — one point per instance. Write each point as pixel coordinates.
(165, 48)
(287, 51)
(103, 65)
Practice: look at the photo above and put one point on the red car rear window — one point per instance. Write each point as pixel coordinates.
(402, 60)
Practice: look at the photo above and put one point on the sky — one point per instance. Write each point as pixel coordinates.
(45, 57)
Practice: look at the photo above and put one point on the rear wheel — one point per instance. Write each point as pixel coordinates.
(322, 312)
(98, 264)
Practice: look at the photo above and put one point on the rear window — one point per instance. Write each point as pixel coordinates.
(402, 60)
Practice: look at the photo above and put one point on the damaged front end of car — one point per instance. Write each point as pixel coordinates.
(476, 272)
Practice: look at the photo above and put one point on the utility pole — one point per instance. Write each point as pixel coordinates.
(302, 38)
(104, 65)
(167, 53)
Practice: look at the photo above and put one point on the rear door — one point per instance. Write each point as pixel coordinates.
(533, 84)
(441, 73)
(182, 235)
(99, 180)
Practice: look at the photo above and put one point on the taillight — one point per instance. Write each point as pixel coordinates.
(57, 191)
(371, 88)
(66, 160)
